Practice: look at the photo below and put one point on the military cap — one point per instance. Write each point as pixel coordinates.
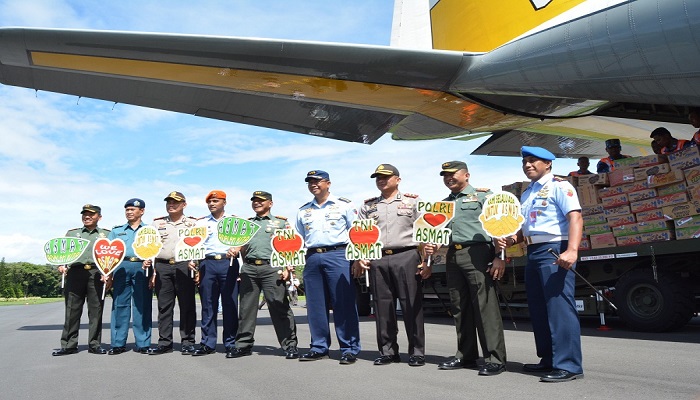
(317, 174)
(659, 131)
(453, 166)
(539, 152)
(216, 194)
(177, 196)
(612, 143)
(135, 203)
(385, 169)
(262, 195)
(91, 208)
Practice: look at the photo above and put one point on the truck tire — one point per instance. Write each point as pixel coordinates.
(650, 306)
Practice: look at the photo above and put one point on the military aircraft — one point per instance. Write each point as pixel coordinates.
(563, 74)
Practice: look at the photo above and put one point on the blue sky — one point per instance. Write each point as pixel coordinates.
(58, 152)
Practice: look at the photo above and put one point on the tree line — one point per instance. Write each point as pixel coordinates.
(23, 279)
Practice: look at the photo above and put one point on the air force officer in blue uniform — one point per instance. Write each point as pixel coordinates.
(132, 294)
(324, 223)
(552, 223)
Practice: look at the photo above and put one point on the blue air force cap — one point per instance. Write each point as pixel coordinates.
(538, 152)
(317, 174)
(135, 203)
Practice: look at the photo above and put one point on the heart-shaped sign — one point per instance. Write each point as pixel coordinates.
(434, 219)
(108, 254)
(359, 236)
(286, 242)
(192, 240)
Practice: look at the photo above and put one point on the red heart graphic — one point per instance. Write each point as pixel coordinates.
(282, 244)
(108, 254)
(358, 236)
(434, 219)
(192, 240)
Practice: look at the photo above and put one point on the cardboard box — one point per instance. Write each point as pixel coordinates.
(691, 232)
(660, 236)
(641, 174)
(516, 250)
(585, 244)
(591, 210)
(671, 189)
(588, 195)
(614, 201)
(692, 175)
(674, 176)
(685, 158)
(620, 176)
(650, 215)
(593, 179)
(680, 210)
(616, 211)
(641, 195)
(694, 192)
(596, 229)
(644, 205)
(594, 219)
(603, 240)
(692, 221)
(642, 227)
(629, 162)
(621, 220)
(671, 199)
(653, 159)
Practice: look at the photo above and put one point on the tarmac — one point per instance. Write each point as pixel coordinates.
(618, 364)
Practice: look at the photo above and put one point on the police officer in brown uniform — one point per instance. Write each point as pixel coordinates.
(258, 275)
(470, 278)
(83, 280)
(172, 279)
(396, 275)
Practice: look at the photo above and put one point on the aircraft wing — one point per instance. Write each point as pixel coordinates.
(584, 77)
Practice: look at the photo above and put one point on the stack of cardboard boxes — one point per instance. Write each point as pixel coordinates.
(644, 199)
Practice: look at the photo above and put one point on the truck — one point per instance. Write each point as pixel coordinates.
(655, 286)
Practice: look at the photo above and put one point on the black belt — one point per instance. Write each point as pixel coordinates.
(85, 266)
(133, 259)
(325, 249)
(215, 256)
(388, 252)
(256, 261)
(460, 246)
(166, 260)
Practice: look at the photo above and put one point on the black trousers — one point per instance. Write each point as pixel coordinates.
(174, 281)
(394, 277)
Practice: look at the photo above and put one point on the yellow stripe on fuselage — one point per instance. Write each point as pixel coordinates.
(482, 25)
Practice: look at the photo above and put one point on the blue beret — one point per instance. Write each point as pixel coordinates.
(317, 174)
(538, 152)
(135, 203)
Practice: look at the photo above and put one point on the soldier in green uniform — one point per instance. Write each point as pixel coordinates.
(83, 280)
(473, 297)
(257, 275)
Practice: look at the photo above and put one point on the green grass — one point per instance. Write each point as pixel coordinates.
(28, 301)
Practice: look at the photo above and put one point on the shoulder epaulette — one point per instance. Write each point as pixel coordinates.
(251, 218)
(482, 189)
(116, 226)
(371, 199)
(344, 199)
(163, 217)
(281, 217)
(411, 195)
(558, 179)
(106, 230)
(305, 204)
